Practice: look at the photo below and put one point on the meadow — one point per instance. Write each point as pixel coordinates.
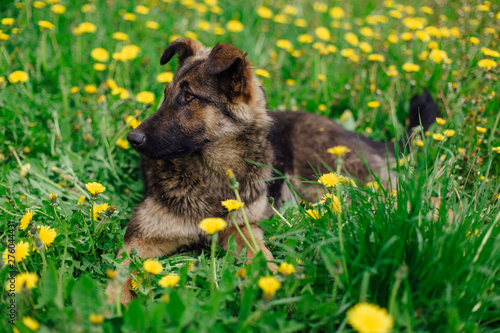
(76, 76)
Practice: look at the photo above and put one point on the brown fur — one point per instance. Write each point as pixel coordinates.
(214, 118)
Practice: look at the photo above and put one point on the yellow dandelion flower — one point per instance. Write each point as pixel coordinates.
(419, 143)
(305, 38)
(18, 76)
(81, 200)
(351, 38)
(135, 283)
(111, 274)
(58, 9)
(286, 268)
(145, 97)
(129, 17)
(47, 235)
(7, 21)
(31, 323)
(315, 215)
(262, 72)
(90, 89)
(24, 280)
(153, 25)
(449, 133)
(440, 121)
(481, 130)
(338, 150)
(74, 90)
(323, 33)
(487, 64)
(374, 186)
(264, 12)
(130, 52)
(409, 67)
(132, 122)
(280, 18)
(152, 266)
(438, 136)
(496, 149)
(336, 13)
(120, 36)
(369, 318)
(232, 204)
(474, 40)
(96, 319)
(95, 188)
(334, 200)
(321, 77)
(143, 10)
(165, 77)
(87, 27)
(45, 25)
(100, 54)
(438, 56)
(98, 209)
(212, 224)
(373, 104)
(124, 94)
(242, 272)
(269, 285)
(284, 44)
(169, 280)
(26, 219)
(329, 180)
(365, 47)
(392, 71)
(290, 82)
(235, 26)
(99, 67)
(123, 144)
(376, 57)
(320, 7)
(38, 4)
(301, 23)
(21, 251)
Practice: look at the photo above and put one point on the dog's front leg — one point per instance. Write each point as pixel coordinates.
(147, 248)
(240, 243)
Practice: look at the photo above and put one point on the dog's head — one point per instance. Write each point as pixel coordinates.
(213, 96)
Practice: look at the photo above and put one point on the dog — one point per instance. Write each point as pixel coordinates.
(214, 118)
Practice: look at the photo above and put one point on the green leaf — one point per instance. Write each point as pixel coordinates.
(86, 297)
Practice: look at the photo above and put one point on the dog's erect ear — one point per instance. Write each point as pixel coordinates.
(184, 47)
(230, 65)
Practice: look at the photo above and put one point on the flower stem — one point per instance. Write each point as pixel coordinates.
(256, 245)
(242, 235)
(88, 230)
(59, 284)
(339, 221)
(281, 216)
(214, 268)
(44, 261)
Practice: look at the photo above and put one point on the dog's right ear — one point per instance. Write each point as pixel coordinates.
(184, 47)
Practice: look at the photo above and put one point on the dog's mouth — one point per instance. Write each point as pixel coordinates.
(167, 154)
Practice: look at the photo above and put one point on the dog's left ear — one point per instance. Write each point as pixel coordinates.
(184, 47)
(230, 65)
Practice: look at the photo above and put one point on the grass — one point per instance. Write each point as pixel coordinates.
(429, 253)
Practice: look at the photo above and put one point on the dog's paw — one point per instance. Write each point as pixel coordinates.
(126, 294)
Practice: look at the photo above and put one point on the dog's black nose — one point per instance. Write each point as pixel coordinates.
(136, 138)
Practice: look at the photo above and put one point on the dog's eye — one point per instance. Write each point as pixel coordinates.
(188, 97)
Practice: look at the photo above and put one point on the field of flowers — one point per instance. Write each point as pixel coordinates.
(76, 76)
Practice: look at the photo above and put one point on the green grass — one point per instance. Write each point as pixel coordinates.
(429, 254)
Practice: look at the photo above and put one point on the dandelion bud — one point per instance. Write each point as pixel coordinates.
(338, 269)
(109, 211)
(401, 272)
(232, 180)
(33, 230)
(39, 245)
(270, 201)
(134, 252)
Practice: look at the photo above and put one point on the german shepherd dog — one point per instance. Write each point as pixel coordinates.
(214, 118)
